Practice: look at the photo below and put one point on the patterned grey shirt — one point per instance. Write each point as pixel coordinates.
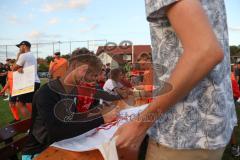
(206, 117)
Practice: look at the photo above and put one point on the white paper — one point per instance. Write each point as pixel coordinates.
(100, 138)
(23, 82)
(109, 150)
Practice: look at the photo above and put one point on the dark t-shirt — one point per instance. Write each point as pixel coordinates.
(237, 72)
(3, 70)
(47, 128)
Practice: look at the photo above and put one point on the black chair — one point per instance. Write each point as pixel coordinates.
(13, 136)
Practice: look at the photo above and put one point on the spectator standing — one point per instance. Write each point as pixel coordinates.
(12, 99)
(8, 63)
(235, 148)
(58, 66)
(25, 59)
(3, 75)
(237, 72)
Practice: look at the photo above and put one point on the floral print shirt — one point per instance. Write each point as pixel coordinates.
(206, 117)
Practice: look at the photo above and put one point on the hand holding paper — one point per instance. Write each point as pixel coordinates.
(102, 137)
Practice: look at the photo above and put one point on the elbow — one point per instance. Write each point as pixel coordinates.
(212, 54)
(219, 55)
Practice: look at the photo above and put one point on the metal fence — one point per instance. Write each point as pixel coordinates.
(44, 49)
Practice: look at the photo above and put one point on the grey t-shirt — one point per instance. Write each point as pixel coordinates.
(206, 117)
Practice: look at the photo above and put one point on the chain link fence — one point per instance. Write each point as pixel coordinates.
(42, 50)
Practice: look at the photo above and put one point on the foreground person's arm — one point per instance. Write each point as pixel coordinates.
(200, 47)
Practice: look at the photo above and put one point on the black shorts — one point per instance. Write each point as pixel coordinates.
(13, 99)
(28, 97)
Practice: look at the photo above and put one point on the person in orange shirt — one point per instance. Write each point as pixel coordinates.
(145, 65)
(12, 99)
(58, 66)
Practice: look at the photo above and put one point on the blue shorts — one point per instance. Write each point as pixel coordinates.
(29, 157)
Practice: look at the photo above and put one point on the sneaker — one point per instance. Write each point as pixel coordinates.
(6, 99)
(235, 150)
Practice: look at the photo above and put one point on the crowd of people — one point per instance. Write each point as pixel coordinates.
(24, 102)
(113, 81)
(89, 83)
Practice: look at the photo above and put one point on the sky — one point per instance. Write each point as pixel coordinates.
(81, 20)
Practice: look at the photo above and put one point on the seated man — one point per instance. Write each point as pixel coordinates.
(54, 104)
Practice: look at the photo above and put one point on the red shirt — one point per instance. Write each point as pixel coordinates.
(101, 84)
(236, 92)
(85, 97)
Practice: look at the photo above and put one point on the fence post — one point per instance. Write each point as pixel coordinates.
(6, 52)
(37, 50)
(70, 46)
(59, 46)
(53, 47)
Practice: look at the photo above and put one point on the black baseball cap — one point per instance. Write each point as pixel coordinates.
(28, 44)
(57, 53)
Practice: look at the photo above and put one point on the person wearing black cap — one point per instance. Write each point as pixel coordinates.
(58, 66)
(25, 59)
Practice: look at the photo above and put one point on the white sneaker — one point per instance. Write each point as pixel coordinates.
(235, 151)
(238, 100)
(6, 99)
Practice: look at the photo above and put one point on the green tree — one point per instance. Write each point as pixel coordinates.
(43, 67)
(235, 53)
(66, 56)
(49, 59)
(235, 50)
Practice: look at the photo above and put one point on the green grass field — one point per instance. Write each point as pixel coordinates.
(5, 113)
(6, 117)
